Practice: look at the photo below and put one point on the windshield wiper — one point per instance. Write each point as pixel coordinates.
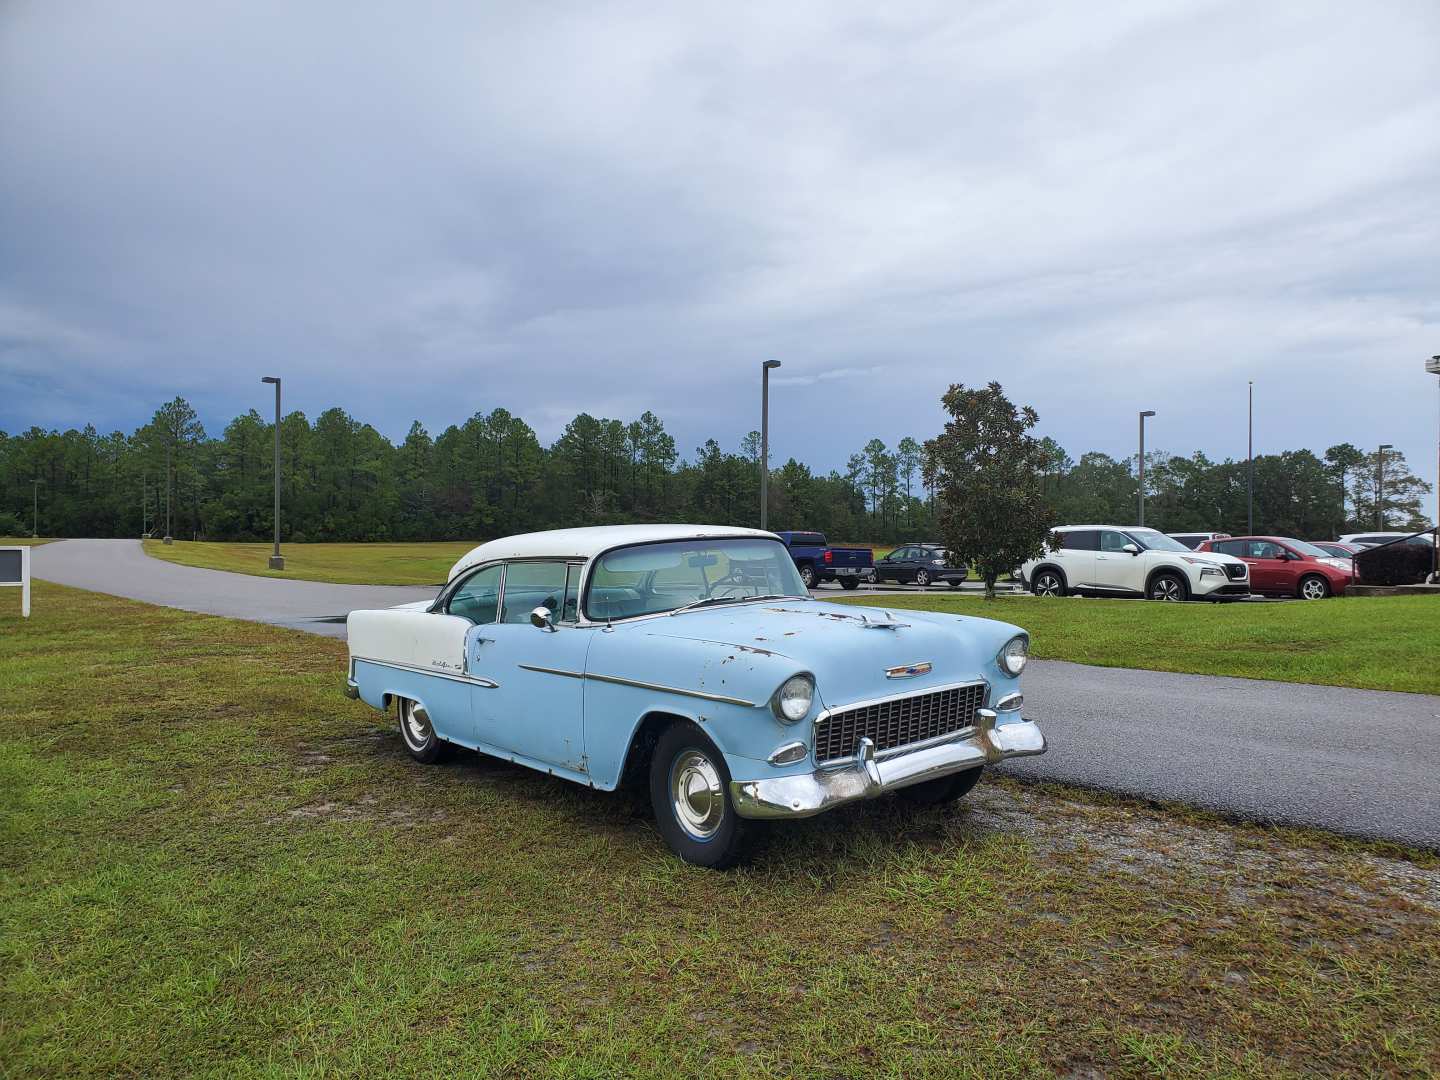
(705, 601)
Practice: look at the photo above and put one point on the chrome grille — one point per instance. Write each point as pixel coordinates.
(898, 721)
(1237, 571)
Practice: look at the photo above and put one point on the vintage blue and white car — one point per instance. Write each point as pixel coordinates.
(692, 656)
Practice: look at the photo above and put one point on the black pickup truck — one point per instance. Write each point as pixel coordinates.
(818, 562)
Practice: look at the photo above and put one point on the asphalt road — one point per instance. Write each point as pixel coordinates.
(1361, 762)
(121, 568)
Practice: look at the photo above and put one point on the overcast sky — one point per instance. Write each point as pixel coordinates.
(421, 210)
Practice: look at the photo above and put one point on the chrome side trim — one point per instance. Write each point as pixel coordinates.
(723, 699)
(471, 680)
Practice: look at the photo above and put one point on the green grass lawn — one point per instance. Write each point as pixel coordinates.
(212, 863)
(23, 541)
(351, 564)
(1377, 643)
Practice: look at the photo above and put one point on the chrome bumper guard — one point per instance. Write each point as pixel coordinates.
(352, 689)
(807, 794)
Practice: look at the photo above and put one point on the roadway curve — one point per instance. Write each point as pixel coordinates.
(1361, 762)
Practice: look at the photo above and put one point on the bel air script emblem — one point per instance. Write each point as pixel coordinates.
(908, 671)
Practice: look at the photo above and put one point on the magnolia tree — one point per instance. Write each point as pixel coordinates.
(988, 472)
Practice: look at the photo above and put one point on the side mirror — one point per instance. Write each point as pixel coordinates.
(541, 619)
(1133, 549)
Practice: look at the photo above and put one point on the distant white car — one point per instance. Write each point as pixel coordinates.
(1113, 560)
(1375, 539)
(1192, 540)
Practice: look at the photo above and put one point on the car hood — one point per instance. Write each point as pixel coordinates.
(851, 650)
(1209, 558)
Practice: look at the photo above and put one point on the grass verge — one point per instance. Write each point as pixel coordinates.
(1373, 643)
(211, 863)
(349, 564)
(23, 541)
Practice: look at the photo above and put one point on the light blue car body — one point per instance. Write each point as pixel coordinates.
(574, 700)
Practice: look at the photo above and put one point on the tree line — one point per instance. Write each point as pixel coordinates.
(342, 480)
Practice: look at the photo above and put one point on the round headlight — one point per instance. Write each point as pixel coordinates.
(1013, 656)
(792, 700)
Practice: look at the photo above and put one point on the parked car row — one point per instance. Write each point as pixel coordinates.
(1117, 560)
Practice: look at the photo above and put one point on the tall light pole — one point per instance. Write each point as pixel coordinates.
(1433, 367)
(277, 561)
(1250, 468)
(144, 504)
(1143, 415)
(1380, 486)
(35, 508)
(168, 538)
(765, 440)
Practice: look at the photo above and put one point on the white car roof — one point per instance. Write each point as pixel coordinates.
(587, 543)
(1121, 528)
(1373, 532)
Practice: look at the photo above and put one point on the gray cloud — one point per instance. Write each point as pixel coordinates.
(423, 210)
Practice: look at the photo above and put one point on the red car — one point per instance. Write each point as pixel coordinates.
(1280, 566)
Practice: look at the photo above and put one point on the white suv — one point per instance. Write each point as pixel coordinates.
(1116, 561)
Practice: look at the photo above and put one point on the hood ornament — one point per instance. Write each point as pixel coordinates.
(887, 623)
(909, 671)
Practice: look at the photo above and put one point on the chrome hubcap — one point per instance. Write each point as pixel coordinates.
(922, 578)
(1313, 590)
(1167, 589)
(415, 725)
(697, 794)
(1047, 586)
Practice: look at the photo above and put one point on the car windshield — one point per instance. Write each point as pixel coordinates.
(649, 579)
(1305, 548)
(1151, 540)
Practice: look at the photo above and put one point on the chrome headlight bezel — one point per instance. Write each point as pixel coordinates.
(780, 698)
(1012, 663)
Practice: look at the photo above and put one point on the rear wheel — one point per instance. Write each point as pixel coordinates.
(807, 576)
(690, 794)
(946, 789)
(1314, 587)
(922, 577)
(1168, 587)
(418, 733)
(1048, 583)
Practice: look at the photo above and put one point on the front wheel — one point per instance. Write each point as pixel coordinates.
(946, 789)
(1314, 588)
(690, 794)
(1048, 583)
(1167, 587)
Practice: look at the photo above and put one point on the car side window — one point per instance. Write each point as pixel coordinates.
(529, 585)
(478, 597)
(1111, 540)
(1080, 540)
(1263, 549)
(1230, 547)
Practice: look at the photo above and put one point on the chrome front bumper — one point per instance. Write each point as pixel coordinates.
(807, 794)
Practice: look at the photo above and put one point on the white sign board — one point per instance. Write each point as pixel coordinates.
(15, 572)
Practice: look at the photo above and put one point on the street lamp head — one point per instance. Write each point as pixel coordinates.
(1148, 412)
(270, 379)
(771, 364)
